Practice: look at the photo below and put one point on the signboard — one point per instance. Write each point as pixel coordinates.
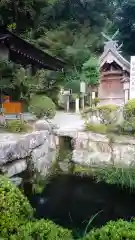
(132, 78)
(82, 87)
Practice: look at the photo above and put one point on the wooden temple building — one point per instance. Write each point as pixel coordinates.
(114, 75)
(22, 52)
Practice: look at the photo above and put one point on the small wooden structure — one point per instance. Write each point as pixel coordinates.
(114, 75)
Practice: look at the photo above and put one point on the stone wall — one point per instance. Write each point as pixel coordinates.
(95, 149)
(16, 151)
(39, 148)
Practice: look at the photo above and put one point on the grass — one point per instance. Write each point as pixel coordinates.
(80, 235)
(124, 177)
(16, 126)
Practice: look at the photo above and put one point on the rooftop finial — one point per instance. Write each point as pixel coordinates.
(111, 43)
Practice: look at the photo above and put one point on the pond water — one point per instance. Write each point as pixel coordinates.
(71, 200)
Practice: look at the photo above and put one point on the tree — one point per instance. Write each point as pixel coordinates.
(67, 29)
(90, 74)
(90, 71)
(125, 21)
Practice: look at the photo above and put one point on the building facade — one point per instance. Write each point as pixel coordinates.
(114, 75)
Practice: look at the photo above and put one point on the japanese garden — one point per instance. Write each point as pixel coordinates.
(67, 120)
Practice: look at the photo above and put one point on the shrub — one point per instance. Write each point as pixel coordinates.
(16, 126)
(42, 106)
(107, 113)
(113, 231)
(74, 96)
(128, 127)
(42, 230)
(97, 128)
(14, 208)
(88, 112)
(129, 109)
(95, 101)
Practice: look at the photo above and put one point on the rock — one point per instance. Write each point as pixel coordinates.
(44, 156)
(21, 148)
(42, 125)
(96, 149)
(38, 147)
(14, 168)
(91, 149)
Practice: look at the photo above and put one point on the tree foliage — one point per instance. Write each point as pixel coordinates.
(125, 22)
(90, 71)
(42, 106)
(68, 29)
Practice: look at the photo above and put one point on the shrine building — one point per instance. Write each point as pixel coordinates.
(114, 84)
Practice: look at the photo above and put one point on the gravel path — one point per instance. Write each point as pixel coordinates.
(68, 121)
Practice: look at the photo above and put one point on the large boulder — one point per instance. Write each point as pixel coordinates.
(44, 124)
(38, 147)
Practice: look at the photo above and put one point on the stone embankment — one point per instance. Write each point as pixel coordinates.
(95, 149)
(39, 148)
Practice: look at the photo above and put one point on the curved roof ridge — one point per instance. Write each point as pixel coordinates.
(118, 56)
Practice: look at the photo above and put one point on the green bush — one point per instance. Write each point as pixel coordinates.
(129, 109)
(88, 112)
(127, 127)
(17, 221)
(107, 113)
(97, 128)
(16, 126)
(95, 101)
(74, 96)
(120, 230)
(42, 230)
(15, 209)
(42, 106)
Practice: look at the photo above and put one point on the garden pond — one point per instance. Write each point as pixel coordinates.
(75, 200)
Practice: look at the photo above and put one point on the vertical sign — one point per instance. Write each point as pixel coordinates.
(132, 78)
(82, 87)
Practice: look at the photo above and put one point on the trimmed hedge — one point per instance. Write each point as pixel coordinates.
(15, 209)
(107, 113)
(17, 221)
(120, 230)
(41, 106)
(42, 230)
